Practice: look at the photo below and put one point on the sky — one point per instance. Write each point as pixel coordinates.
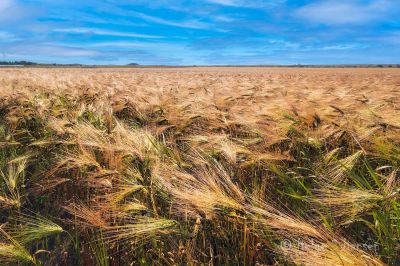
(201, 32)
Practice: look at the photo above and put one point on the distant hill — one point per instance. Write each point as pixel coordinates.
(133, 64)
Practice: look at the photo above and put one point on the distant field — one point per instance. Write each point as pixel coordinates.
(195, 166)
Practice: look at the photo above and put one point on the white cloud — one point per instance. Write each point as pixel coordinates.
(223, 18)
(13, 11)
(47, 50)
(129, 13)
(65, 51)
(53, 50)
(5, 4)
(105, 32)
(346, 12)
(192, 24)
(5, 35)
(167, 47)
(226, 2)
(247, 3)
(341, 47)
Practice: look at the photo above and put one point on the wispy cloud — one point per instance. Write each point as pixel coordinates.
(6, 35)
(83, 17)
(223, 18)
(92, 31)
(48, 50)
(227, 2)
(192, 24)
(12, 11)
(136, 45)
(247, 3)
(69, 51)
(344, 12)
(5, 4)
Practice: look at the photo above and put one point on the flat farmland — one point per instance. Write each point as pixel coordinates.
(200, 165)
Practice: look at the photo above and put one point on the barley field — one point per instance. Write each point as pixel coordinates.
(199, 166)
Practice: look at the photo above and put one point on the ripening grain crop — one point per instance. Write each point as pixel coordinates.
(199, 166)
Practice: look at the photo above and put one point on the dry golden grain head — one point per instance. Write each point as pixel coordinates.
(84, 157)
(135, 142)
(87, 216)
(218, 144)
(338, 169)
(208, 192)
(306, 251)
(15, 172)
(48, 184)
(266, 217)
(123, 191)
(137, 229)
(346, 204)
(60, 125)
(9, 202)
(392, 184)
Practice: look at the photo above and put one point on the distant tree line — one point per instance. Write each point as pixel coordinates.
(11, 63)
(28, 63)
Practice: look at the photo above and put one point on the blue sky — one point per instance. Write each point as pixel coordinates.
(187, 32)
